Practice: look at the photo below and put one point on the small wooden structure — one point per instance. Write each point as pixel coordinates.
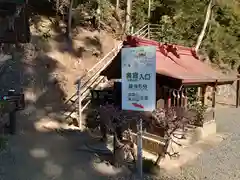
(177, 68)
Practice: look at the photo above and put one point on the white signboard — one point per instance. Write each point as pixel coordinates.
(139, 78)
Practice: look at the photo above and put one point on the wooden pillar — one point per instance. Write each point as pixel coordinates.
(167, 99)
(198, 92)
(238, 91)
(203, 94)
(238, 88)
(185, 98)
(214, 99)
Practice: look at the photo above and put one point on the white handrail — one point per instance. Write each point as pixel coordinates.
(99, 62)
(137, 32)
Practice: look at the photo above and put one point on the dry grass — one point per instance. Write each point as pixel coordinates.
(73, 58)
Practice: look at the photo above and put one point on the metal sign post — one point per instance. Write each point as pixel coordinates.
(12, 116)
(139, 85)
(79, 104)
(139, 148)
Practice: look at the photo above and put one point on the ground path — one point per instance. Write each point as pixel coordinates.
(34, 155)
(223, 161)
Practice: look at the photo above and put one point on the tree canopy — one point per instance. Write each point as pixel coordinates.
(181, 22)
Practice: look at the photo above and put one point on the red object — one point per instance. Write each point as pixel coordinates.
(173, 61)
(138, 105)
(181, 63)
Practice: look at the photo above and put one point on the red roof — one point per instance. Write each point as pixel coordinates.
(181, 63)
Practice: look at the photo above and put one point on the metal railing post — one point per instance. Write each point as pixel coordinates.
(79, 105)
(12, 116)
(149, 31)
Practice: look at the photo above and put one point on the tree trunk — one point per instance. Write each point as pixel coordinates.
(149, 9)
(69, 24)
(57, 13)
(208, 15)
(99, 15)
(128, 16)
(117, 4)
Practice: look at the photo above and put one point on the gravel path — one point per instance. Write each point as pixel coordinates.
(43, 156)
(222, 162)
(219, 163)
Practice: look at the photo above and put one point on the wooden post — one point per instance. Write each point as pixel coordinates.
(238, 89)
(198, 92)
(214, 99)
(149, 36)
(185, 100)
(167, 99)
(203, 94)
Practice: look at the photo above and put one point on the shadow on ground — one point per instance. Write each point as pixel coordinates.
(36, 152)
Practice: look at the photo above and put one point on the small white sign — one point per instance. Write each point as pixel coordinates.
(139, 78)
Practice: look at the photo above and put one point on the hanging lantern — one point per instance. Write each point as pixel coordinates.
(14, 22)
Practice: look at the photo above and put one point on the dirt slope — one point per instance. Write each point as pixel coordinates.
(46, 69)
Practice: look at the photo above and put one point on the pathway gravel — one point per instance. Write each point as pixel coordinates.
(42, 156)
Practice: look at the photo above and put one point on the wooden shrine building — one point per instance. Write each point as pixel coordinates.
(176, 67)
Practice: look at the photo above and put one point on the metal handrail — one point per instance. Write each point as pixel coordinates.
(119, 46)
(143, 32)
(94, 76)
(99, 62)
(137, 32)
(102, 60)
(116, 49)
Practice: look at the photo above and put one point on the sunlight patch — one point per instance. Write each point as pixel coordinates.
(52, 170)
(107, 169)
(39, 153)
(30, 96)
(46, 125)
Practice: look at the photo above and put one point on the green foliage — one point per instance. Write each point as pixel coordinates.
(181, 22)
(3, 143)
(195, 106)
(139, 13)
(192, 95)
(199, 110)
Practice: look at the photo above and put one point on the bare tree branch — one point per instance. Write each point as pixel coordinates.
(208, 15)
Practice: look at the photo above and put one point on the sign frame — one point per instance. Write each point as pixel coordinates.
(138, 67)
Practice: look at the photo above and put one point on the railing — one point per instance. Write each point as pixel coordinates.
(91, 80)
(150, 31)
